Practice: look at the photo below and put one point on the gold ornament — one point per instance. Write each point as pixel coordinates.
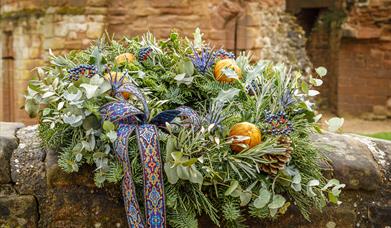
(226, 63)
(124, 58)
(245, 129)
(278, 161)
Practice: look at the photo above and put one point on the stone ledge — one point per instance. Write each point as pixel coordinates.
(72, 200)
(8, 142)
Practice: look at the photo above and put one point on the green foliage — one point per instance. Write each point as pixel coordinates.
(202, 175)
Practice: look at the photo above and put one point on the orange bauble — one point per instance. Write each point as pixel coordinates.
(115, 78)
(245, 129)
(124, 58)
(226, 63)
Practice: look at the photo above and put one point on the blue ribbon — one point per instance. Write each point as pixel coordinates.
(131, 119)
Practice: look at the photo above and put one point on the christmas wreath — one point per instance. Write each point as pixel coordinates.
(199, 130)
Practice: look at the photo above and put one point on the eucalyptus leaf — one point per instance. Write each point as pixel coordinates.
(263, 199)
(277, 202)
(335, 124)
(78, 157)
(321, 71)
(171, 173)
(245, 198)
(90, 90)
(195, 175)
(183, 172)
(232, 187)
(313, 93)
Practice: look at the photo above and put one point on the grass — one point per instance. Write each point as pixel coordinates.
(381, 135)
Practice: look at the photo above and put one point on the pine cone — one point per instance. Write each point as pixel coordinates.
(278, 161)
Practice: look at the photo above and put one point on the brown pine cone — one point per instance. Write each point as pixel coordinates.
(278, 161)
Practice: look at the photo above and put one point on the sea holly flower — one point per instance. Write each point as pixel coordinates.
(82, 70)
(203, 59)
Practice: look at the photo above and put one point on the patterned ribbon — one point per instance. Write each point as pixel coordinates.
(131, 119)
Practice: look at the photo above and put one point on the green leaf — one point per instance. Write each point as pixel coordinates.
(31, 107)
(335, 124)
(171, 173)
(170, 147)
(321, 71)
(46, 111)
(336, 190)
(195, 175)
(245, 198)
(186, 67)
(333, 198)
(177, 156)
(330, 183)
(277, 202)
(189, 162)
(232, 187)
(108, 126)
(48, 94)
(197, 38)
(91, 90)
(263, 198)
(112, 135)
(226, 95)
(183, 172)
(304, 87)
(313, 93)
(78, 157)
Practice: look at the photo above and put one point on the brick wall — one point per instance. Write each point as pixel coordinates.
(364, 75)
(62, 25)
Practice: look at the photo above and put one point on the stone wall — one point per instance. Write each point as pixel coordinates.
(28, 29)
(365, 58)
(353, 40)
(34, 192)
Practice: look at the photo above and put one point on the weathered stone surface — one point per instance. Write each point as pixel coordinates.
(72, 200)
(8, 142)
(18, 211)
(27, 163)
(352, 161)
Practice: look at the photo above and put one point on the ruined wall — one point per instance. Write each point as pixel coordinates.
(365, 58)
(34, 27)
(352, 39)
(35, 192)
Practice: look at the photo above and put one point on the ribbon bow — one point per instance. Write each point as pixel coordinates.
(130, 119)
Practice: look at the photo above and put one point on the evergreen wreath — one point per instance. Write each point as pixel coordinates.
(249, 155)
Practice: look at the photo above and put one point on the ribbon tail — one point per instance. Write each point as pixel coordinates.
(133, 212)
(154, 200)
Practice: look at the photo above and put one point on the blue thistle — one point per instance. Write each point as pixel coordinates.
(82, 70)
(202, 60)
(287, 99)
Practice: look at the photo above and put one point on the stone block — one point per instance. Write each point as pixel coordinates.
(27, 163)
(18, 211)
(356, 170)
(8, 142)
(94, 30)
(54, 43)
